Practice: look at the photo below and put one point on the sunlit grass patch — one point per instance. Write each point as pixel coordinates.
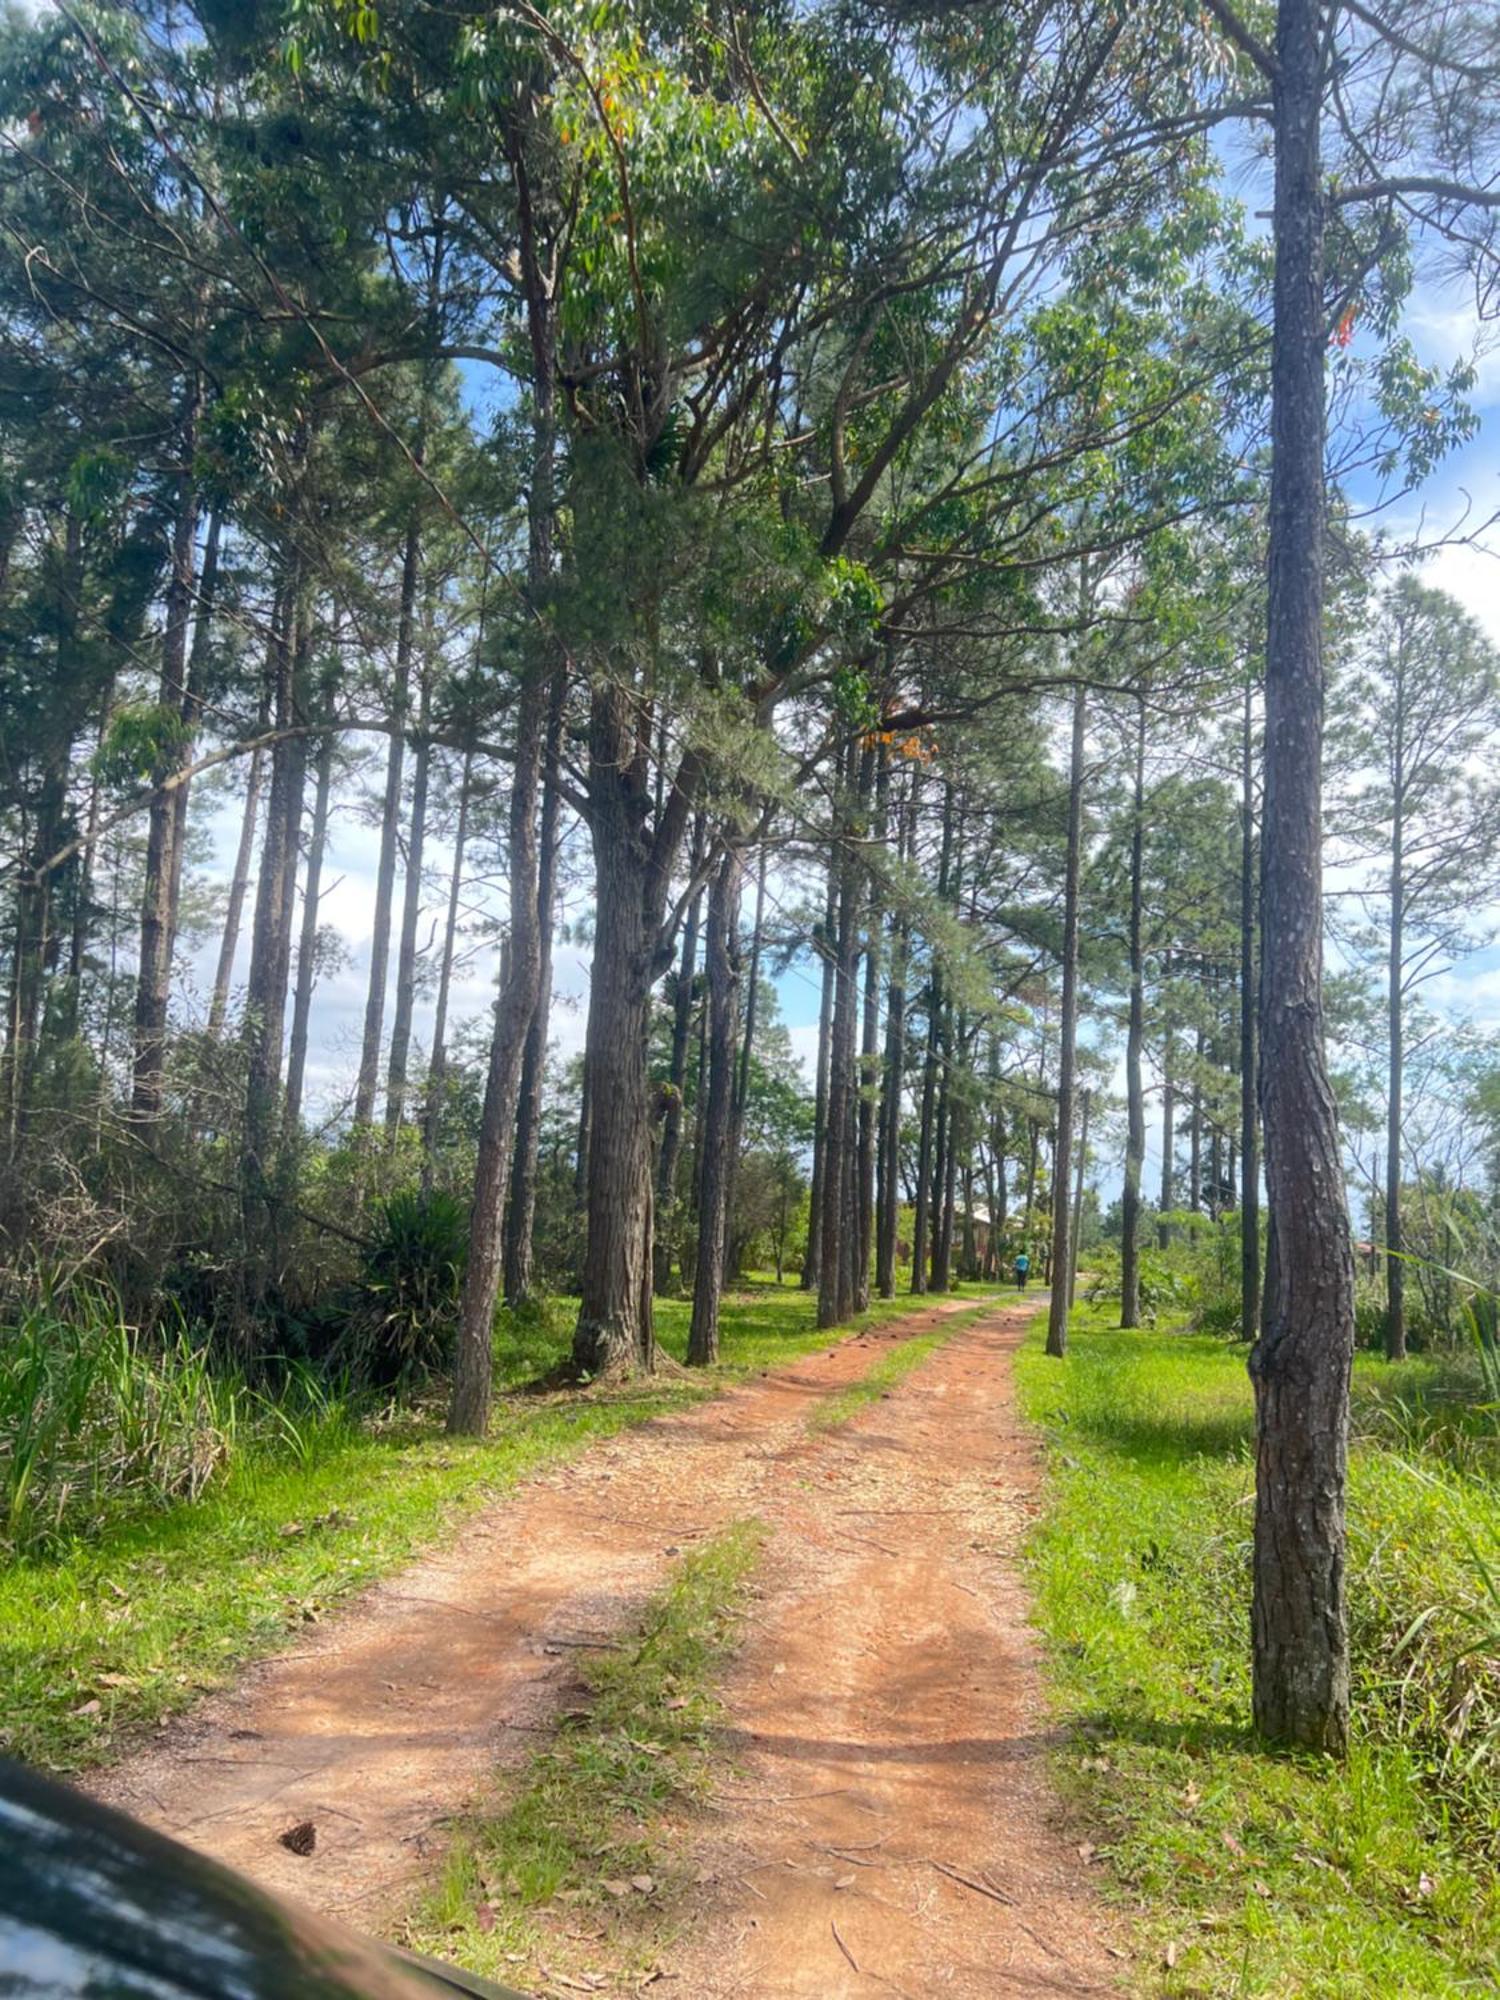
(1258, 1873)
(582, 1826)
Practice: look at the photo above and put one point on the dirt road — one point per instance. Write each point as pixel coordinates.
(895, 1830)
(891, 1827)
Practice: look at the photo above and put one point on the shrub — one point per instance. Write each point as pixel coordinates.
(401, 1318)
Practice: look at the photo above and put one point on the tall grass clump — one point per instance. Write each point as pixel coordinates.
(101, 1419)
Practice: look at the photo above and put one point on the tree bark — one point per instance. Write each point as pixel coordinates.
(271, 948)
(239, 883)
(888, 1154)
(1395, 1267)
(1135, 1036)
(633, 868)
(153, 986)
(390, 821)
(747, 1043)
(473, 1361)
(1300, 1365)
(307, 953)
(192, 700)
(469, 1404)
(437, 1067)
(813, 1262)
(888, 1193)
(399, 1056)
(1168, 1127)
(669, 1155)
(307, 946)
(520, 1220)
(1060, 1265)
(714, 1175)
(926, 1129)
(1086, 1098)
(940, 1278)
(869, 1067)
(836, 1271)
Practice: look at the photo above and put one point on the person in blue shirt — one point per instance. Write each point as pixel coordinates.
(1023, 1265)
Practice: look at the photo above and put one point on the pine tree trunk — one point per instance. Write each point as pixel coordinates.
(746, 1055)
(999, 1216)
(239, 883)
(1060, 1262)
(390, 823)
(1301, 1363)
(469, 1404)
(836, 1271)
(1168, 1128)
(271, 951)
(952, 1149)
(1395, 1268)
(192, 705)
(888, 1176)
(813, 1262)
(36, 917)
(1086, 1098)
(714, 1178)
(1135, 1035)
(153, 986)
(437, 1067)
(520, 1220)
(926, 1123)
(940, 1276)
(615, 1334)
(669, 1155)
(83, 901)
(307, 945)
(399, 1057)
(473, 1360)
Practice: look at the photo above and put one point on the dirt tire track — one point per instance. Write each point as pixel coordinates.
(890, 1724)
(387, 1720)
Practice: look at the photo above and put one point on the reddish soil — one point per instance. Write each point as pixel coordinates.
(889, 1826)
(387, 1719)
(893, 1828)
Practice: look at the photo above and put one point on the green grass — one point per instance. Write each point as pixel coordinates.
(1259, 1874)
(582, 1824)
(761, 1323)
(118, 1628)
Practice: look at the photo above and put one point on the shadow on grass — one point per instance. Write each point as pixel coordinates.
(1194, 1735)
(1159, 1438)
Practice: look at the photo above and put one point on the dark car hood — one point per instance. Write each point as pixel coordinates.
(98, 1907)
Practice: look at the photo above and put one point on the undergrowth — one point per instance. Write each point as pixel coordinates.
(580, 1826)
(1262, 1874)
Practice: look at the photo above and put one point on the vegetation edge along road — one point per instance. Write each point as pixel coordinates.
(122, 1630)
(1250, 1873)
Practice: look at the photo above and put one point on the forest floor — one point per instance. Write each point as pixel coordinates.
(879, 1815)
